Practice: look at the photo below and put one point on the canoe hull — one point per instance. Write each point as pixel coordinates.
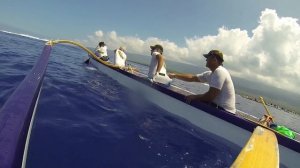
(170, 100)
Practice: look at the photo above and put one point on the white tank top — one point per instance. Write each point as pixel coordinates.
(153, 66)
(120, 58)
(102, 51)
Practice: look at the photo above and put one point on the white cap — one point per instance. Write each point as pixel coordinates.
(122, 48)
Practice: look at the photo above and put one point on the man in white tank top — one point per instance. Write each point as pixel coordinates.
(101, 51)
(120, 57)
(221, 93)
(157, 64)
(157, 68)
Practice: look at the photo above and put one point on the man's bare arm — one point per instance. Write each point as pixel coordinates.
(184, 77)
(160, 61)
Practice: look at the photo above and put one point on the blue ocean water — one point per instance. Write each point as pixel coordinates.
(87, 119)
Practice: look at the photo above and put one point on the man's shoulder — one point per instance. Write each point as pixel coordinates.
(221, 69)
(204, 76)
(222, 72)
(204, 73)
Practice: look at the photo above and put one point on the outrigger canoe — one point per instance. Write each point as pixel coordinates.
(17, 115)
(236, 128)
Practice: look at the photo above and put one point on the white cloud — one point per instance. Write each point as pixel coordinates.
(270, 54)
(136, 45)
(99, 33)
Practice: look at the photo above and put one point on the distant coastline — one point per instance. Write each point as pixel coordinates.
(270, 103)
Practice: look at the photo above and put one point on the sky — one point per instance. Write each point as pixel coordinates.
(260, 39)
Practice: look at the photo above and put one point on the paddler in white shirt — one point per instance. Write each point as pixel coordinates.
(120, 57)
(221, 93)
(157, 68)
(101, 51)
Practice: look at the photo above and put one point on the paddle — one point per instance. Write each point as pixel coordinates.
(267, 118)
(268, 121)
(87, 61)
(261, 150)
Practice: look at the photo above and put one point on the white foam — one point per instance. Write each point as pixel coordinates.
(143, 138)
(24, 35)
(91, 68)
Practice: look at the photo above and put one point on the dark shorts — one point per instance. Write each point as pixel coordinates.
(217, 106)
(104, 58)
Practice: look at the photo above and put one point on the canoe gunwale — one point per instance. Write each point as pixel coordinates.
(221, 114)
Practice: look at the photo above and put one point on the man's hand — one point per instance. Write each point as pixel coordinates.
(172, 75)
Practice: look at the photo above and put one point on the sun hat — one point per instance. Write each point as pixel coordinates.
(218, 54)
(157, 46)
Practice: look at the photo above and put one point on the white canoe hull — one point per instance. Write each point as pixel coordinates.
(197, 117)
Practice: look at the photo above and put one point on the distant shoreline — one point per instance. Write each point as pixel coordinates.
(253, 98)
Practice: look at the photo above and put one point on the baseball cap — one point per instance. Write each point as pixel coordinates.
(157, 46)
(215, 53)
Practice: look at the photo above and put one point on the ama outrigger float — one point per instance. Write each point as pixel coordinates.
(264, 147)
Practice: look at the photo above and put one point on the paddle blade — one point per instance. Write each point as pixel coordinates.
(87, 61)
(261, 151)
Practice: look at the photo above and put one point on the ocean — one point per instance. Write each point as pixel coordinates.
(85, 118)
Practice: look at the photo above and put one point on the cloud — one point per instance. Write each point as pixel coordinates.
(270, 54)
(136, 45)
